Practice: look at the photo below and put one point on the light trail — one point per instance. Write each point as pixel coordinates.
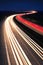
(22, 58)
(30, 42)
(8, 34)
(17, 51)
(8, 31)
(29, 24)
(6, 49)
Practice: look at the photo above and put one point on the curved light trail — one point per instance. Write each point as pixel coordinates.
(19, 55)
(33, 26)
(30, 42)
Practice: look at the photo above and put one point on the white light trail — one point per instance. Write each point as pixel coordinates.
(9, 63)
(7, 28)
(22, 58)
(30, 42)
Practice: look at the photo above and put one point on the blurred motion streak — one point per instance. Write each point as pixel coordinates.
(35, 27)
(18, 53)
(21, 56)
(30, 42)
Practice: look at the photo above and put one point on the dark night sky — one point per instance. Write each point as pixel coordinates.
(21, 5)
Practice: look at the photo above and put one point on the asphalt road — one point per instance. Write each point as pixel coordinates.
(34, 28)
(17, 48)
(3, 57)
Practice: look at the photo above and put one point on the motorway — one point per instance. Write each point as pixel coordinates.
(19, 47)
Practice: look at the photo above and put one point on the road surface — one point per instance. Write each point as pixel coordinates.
(20, 49)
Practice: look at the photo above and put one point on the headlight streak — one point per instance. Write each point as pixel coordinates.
(18, 50)
(30, 42)
(14, 44)
(7, 33)
(21, 48)
(6, 50)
